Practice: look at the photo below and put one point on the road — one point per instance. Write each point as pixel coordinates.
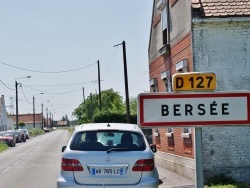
(36, 164)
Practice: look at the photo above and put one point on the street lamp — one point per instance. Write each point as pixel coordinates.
(34, 122)
(16, 84)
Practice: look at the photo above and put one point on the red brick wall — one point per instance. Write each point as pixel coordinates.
(174, 145)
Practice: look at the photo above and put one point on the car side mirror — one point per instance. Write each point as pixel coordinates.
(63, 148)
(153, 148)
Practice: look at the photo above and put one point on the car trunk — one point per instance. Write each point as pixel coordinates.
(111, 168)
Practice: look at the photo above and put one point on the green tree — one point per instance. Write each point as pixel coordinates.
(133, 105)
(111, 101)
(21, 124)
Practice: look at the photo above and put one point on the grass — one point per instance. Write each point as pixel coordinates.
(236, 185)
(223, 181)
(35, 132)
(3, 147)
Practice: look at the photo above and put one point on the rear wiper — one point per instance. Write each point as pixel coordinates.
(117, 149)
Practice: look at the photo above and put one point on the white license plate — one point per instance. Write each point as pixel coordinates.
(107, 171)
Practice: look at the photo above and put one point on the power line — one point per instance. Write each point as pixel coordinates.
(53, 92)
(25, 96)
(47, 72)
(110, 62)
(6, 85)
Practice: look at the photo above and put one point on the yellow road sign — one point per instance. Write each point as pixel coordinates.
(194, 81)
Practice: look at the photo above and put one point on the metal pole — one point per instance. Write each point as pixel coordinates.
(42, 116)
(34, 125)
(91, 107)
(126, 81)
(50, 119)
(47, 117)
(83, 95)
(99, 83)
(17, 126)
(198, 158)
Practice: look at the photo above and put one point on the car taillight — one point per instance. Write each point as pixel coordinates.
(71, 165)
(144, 165)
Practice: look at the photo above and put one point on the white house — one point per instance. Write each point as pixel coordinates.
(5, 123)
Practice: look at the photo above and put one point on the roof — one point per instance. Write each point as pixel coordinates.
(221, 8)
(27, 118)
(104, 126)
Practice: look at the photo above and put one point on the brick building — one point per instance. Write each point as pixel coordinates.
(28, 119)
(201, 36)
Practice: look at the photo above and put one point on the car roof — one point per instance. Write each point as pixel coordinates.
(108, 126)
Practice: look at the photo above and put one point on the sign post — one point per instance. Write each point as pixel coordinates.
(194, 109)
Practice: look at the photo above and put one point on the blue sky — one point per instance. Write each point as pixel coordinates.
(46, 39)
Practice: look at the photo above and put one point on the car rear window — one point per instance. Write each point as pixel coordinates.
(108, 140)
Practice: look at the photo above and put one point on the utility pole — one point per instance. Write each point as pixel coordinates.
(125, 79)
(34, 115)
(99, 83)
(42, 116)
(91, 107)
(17, 126)
(83, 95)
(16, 84)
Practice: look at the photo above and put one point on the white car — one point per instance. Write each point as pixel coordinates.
(108, 155)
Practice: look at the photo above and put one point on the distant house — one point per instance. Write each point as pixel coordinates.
(28, 120)
(62, 123)
(5, 123)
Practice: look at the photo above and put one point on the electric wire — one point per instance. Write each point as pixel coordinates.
(25, 95)
(61, 93)
(6, 85)
(47, 72)
(110, 62)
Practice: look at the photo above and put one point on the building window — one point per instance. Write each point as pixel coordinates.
(186, 132)
(153, 84)
(164, 23)
(169, 132)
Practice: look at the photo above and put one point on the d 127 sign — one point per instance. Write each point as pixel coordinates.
(194, 81)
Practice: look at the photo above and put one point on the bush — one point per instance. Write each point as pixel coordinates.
(113, 117)
(220, 179)
(35, 132)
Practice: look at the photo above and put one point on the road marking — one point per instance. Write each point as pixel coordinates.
(17, 162)
(6, 170)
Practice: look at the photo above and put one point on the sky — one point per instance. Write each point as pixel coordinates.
(58, 44)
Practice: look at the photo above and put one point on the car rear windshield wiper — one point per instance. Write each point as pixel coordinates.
(117, 149)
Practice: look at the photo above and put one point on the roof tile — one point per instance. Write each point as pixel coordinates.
(222, 8)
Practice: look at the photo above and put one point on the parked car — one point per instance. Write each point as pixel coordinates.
(46, 129)
(26, 133)
(108, 155)
(23, 135)
(18, 135)
(8, 137)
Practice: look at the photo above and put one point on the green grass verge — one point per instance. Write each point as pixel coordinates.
(237, 185)
(3, 147)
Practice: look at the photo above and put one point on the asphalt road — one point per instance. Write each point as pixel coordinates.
(36, 164)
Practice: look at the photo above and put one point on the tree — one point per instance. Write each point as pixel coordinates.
(133, 105)
(111, 101)
(21, 124)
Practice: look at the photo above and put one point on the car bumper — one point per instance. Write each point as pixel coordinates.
(62, 183)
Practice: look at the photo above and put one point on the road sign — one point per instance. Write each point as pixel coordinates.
(194, 81)
(194, 109)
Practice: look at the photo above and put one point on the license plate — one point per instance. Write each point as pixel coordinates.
(107, 171)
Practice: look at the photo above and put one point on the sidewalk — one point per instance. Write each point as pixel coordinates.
(170, 179)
